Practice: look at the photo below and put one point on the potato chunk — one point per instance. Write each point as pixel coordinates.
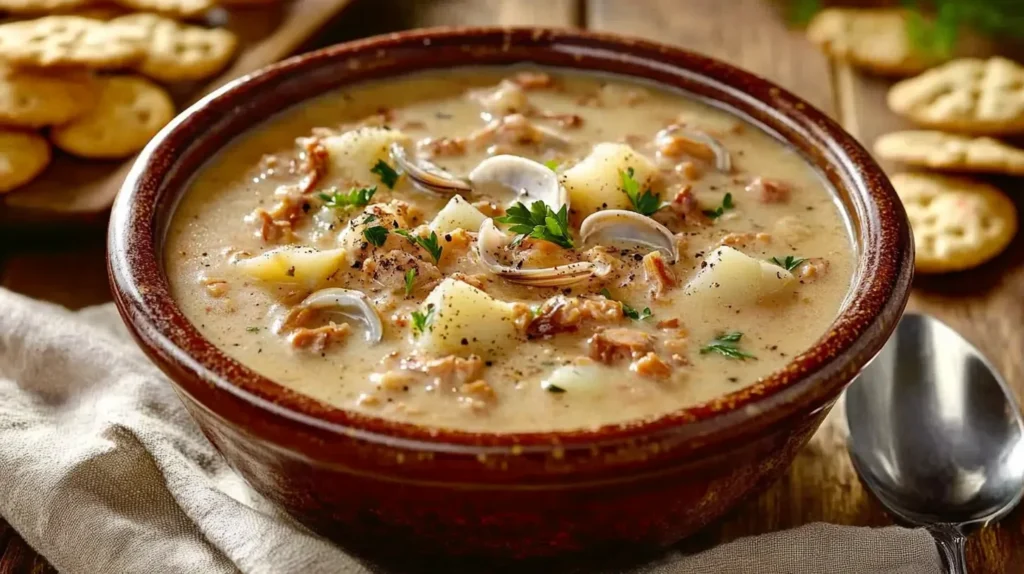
(595, 184)
(354, 153)
(457, 214)
(581, 378)
(294, 265)
(732, 276)
(466, 321)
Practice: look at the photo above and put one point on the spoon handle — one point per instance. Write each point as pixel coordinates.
(951, 542)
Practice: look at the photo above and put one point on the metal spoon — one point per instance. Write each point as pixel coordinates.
(936, 435)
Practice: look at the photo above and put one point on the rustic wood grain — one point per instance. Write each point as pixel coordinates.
(821, 485)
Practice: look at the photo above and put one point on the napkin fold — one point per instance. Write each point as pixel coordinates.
(102, 470)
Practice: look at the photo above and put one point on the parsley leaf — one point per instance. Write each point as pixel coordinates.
(356, 197)
(644, 204)
(376, 235)
(718, 211)
(388, 176)
(726, 345)
(422, 321)
(540, 222)
(789, 263)
(429, 243)
(627, 310)
(552, 164)
(410, 278)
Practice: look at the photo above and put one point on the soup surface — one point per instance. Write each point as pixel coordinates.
(509, 250)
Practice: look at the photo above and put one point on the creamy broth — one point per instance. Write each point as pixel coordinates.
(627, 333)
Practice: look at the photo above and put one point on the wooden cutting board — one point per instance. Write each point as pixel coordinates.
(75, 191)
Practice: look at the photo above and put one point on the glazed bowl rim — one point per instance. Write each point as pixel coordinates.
(874, 303)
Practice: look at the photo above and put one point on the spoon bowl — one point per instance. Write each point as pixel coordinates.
(935, 433)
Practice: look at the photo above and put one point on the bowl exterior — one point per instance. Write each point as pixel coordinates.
(373, 484)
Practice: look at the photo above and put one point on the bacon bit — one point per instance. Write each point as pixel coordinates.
(668, 323)
(489, 208)
(476, 280)
(563, 120)
(451, 370)
(684, 202)
(478, 388)
(562, 314)
(812, 269)
(689, 170)
(270, 230)
(320, 338)
(215, 287)
(652, 367)
(533, 80)
(658, 273)
(443, 146)
(769, 190)
(610, 345)
(678, 146)
(456, 244)
(743, 239)
(516, 129)
(313, 162)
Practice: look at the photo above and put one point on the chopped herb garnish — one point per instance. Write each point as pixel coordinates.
(644, 204)
(430, 243)
(718, 211)
(410, 280)
(356, 197)
(552, 164)
(253, 329)
(788, 263)
(551, 388)
(388, 176)
(376, 235)
(726, 345)
(539, 221)
(422, 321)
(627, 310)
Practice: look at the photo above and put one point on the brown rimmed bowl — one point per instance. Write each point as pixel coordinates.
(397, 488)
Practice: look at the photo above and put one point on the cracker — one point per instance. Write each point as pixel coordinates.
(23, 156)
(951, 152)
(982, 97)
(66, 41)
(41, 6)
(129, 112)
(32, 98)
(874, 39)
(958, 223)
(177, 52)
(173, 8)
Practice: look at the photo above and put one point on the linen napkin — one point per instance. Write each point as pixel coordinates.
(102, 471)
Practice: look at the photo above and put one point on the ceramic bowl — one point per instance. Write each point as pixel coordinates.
(383, 486)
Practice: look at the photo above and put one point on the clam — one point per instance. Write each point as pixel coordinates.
(723, 161)
(346, 302)
(428, 175)
(528, 180)
(620, 227)
(491, 240)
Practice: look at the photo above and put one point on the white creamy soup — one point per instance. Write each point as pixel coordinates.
(509, 250)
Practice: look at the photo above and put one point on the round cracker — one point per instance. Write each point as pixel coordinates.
(34, 99)
(177, 52)
(66, 41)
(23, 156)
(129, 112)
(950, 152)
(958, 223)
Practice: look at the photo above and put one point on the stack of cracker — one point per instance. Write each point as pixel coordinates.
(92, 83)
(963, 105)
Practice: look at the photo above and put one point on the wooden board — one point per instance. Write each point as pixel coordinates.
(821, 485)
(74, 190)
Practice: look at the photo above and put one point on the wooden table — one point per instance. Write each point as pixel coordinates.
(985, 304)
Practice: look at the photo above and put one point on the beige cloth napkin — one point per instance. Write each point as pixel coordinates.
(102, 471)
